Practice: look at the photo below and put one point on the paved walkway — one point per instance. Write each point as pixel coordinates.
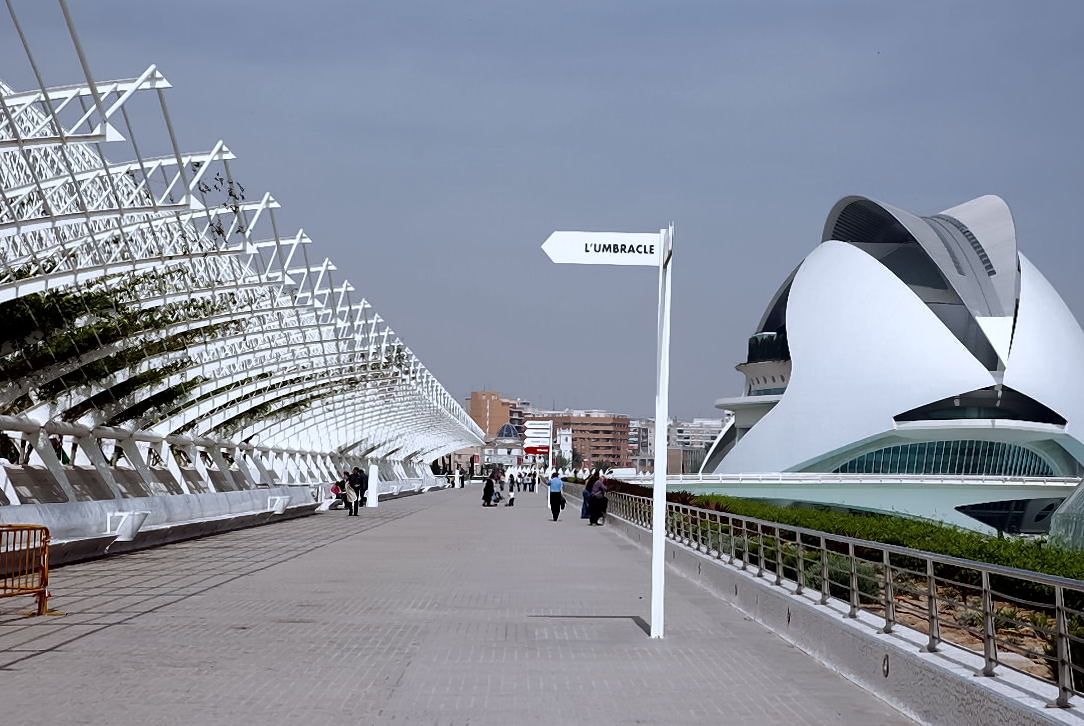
(429, 610)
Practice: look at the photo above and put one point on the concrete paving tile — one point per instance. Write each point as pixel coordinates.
(427, 610)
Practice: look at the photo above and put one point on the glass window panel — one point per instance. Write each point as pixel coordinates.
(967, 457)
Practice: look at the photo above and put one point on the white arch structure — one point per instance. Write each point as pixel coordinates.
(163, 323)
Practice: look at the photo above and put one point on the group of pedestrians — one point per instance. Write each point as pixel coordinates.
(493, 490)
(352, 490)
(594, 493)
(594, 499)
(522, 483)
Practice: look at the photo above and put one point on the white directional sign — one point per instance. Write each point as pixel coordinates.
(604, 248)
(637, 248)
(538, 433)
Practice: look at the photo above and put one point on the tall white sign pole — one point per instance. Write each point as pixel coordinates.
(626, 248)
(662, 423)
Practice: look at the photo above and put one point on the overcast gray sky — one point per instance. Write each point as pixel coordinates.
(429, 147)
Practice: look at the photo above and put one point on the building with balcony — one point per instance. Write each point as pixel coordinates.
(600, 437)
(491, 411)
(699, 433)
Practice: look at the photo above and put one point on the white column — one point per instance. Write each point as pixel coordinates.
(135, 457)
(91, 448)
(373, 497)
(44, 449)
(169, 461)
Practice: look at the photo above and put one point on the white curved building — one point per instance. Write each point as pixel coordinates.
(911, 345)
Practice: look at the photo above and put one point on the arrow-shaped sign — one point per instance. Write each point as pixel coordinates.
(604, 248)
(637, 248)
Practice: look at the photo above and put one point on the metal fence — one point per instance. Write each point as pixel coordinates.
(24, 563)
(1015, 619)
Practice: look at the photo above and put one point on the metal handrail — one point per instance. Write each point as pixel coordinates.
(920, 589)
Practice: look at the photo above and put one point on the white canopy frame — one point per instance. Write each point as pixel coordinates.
(214, 321)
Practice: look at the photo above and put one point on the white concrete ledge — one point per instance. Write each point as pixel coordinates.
(85, 529)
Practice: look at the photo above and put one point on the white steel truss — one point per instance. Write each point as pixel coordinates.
(155, 315)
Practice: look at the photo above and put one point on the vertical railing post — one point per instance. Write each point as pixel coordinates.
(732, 537)
(778, 557)
(800, 563)
(889, 593)
(760, 550)
(745, 544)
(989, 633)
(853, 612)
(1064, 670)
(826, 584)
(718, 536)
(719, 548)
(43, 595)
(933, 621)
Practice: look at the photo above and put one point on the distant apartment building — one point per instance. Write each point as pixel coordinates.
(687, 442)
(700, 433)
(641, 438)
(600, 437)
(490, 411)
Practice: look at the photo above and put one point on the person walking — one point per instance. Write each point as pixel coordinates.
(596, 507)
(351, 492)
(587, 486)
(487, 490)
(557, 499)
(356, 485)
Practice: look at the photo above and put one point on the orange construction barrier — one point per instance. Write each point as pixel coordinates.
(24, 562)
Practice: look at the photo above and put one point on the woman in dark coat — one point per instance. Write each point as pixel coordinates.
(487, 492)
(587, 485)
(596, 507)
